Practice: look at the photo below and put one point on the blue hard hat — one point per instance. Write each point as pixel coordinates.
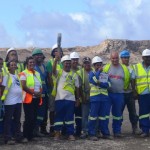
(124, 53)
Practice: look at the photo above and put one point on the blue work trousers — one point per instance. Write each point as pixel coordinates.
(144, 111)
(64, 113)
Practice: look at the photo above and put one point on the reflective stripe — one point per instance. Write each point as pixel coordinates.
(144, 116)
(58, 123)
(142, 83)
(95, 80)
(40, 118)
(78, 117)
(92, 118)
(102, 118)
(117, 118)
(107, 117)
(69, 122)
(143, 76)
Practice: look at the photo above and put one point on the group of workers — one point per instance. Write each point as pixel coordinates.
(77, 98)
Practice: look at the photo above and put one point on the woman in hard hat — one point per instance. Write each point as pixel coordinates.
(12, 97)
(98, 100)
(12, 55)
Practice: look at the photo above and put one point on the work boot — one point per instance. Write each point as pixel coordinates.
(93, 138)
(118, 135)
(57, 136)
(37, 133)
(135, 130)
(71, 138)
(52, 133)
(84, 135)
(144, 135)
(44, 131)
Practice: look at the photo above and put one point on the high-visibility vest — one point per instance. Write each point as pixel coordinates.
(69, 84)
(142, 78)
(27, 97)
(8, 85)
(19, 65)
(96, 90)
(59, 65)
(126, 74)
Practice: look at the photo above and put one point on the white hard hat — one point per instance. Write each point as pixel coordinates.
(54, 46)
(10, 49)
(96, 59)
(146, 52)
(64, 58)
(74, 55)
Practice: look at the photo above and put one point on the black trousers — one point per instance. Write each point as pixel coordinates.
(30, 111)
(12, 111)
(130, 103)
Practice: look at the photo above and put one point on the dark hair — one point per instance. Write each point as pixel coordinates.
(27, 60)
(8, 63)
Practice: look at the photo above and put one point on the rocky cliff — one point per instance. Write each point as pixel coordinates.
(103, 49)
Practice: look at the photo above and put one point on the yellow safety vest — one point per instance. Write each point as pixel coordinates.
(126, 74)
(19, 65)
(96, 90)
(69, 84)
(8, 85)
(142, 78)
(30, 84)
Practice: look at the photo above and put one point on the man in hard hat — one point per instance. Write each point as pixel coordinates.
(98, 100)
(128, 94)
(119, 78)
(66, 93)
(141, 86)
(74, 56)
(12, 55)
(85, 93)
(55, 54)
(43, 109)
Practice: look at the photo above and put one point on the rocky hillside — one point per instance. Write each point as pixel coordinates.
(103, 49)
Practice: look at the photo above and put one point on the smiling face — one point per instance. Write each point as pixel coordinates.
(12, 55)
(114, 58)
(125, 60)
(146, 60)
(12, 67)
(74, 62)
(31, 64)
(38, 58)
(67, 65)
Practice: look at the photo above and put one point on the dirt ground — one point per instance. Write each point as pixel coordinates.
(128, 142)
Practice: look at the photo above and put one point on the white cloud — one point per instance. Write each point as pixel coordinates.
(121, 19)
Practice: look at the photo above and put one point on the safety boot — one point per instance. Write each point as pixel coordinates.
(57, 136)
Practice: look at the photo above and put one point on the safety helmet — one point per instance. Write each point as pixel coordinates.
(11, 49)
(37, 51)
(64, 58)
(146, 52)
(124, 53)
(96, 59)
(74, 55)
(55, 46)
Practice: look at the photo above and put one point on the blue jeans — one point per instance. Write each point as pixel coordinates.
(85, 115)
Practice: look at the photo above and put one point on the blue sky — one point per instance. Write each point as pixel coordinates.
(26, 23)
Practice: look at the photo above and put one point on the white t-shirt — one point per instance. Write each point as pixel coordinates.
(37, 84)
(63, 94)
(15, 92)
